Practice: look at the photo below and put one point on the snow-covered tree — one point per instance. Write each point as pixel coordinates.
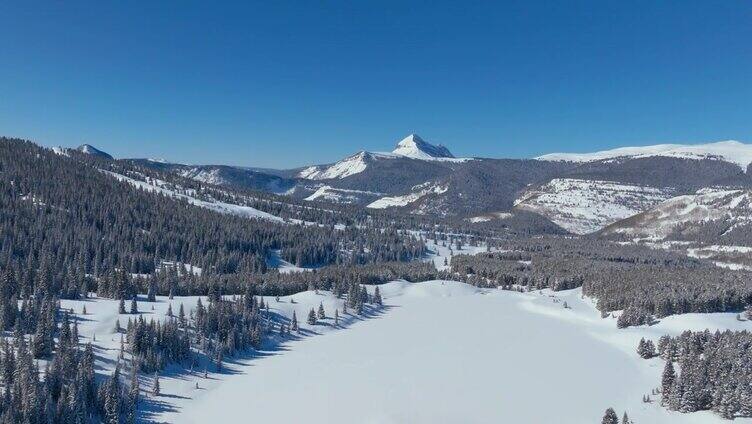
(311, 317)
(610, 417)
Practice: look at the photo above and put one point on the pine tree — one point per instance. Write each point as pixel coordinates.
(688, 401)
(151, 293)
(133, 394)
(625, 418)
(336, 317)
(134, 305)
(675, 395)
(610, 417)
(155, 388)
(377, 297)
(729, 404)
(294, 323)
(312, 317)
(121, 306)
(321, 314)
(667, 382)
(646, 349)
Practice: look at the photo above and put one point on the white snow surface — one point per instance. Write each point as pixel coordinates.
(339, 195)
(586, 206)
(159, 186)
(439, 352)
(406, 199)
(444, 352)
(438, 253)
(275, 261)
(352, 165)
(490, 217)
(730, 151)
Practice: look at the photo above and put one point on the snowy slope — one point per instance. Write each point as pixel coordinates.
(404, 200)
(339, 195)
(585, 206)
(729, 151)
(162, 187)
(352, 165)
(178, 384)
(489, 217)
(732, 206)
(446, 352)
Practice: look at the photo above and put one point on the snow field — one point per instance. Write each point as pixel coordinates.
(439, 352)
(446, 352)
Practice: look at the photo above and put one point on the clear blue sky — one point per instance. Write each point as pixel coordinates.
(283, 84)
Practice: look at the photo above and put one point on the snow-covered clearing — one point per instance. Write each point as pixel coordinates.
(446, 352)
(438, 352)
(275, 261)
(440, 253)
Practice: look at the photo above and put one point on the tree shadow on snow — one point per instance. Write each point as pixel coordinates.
(203, 368)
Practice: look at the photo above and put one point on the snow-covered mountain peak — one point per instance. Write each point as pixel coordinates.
(415, 147)
(729, 151)
(91, 150)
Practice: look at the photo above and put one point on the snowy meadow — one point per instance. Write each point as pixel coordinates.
(437, 351)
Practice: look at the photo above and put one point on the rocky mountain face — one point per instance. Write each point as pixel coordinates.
(710, 215)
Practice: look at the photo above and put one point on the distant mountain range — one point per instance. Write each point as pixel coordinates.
(577, 193)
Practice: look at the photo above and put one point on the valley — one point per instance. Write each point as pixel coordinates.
(370, 282)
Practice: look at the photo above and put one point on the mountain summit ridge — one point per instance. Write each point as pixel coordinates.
(91, 150)
(413, 146)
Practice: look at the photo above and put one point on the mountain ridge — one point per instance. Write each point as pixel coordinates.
(731, 151)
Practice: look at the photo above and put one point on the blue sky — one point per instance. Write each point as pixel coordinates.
(282, 84)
